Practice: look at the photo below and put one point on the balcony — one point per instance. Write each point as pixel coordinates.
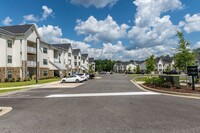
(31, 63)
(31, 50)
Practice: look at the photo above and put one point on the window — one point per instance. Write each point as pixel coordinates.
(45, 62)
(75, 57)
(79, 57)
(9, 43)
(45, 73)
(9, 74)
(79, 63)
(69, 54)
(83, 61)
(9, 59)
(69, 62)
(75, 63)
(45, 50)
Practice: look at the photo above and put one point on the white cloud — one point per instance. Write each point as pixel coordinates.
(7, 21)
(103, 30)
(96, 3)
(197, 45)
(192, 23)
(53, 34)
(150, 29)
(47, 12)
(31, 17)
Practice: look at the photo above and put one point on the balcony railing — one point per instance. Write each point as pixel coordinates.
(31, 49)
(31, 63)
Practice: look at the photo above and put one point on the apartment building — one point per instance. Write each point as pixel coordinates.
(84, 62)
(76, 65)
(18, 50)
(91, 64)
(21, 45)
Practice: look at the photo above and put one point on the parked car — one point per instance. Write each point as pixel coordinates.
(73, 78)
(127, 72)
(102, 72)
(92, 76)
(83, 76)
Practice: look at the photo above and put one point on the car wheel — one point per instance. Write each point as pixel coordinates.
(77, 81)
(63, 81)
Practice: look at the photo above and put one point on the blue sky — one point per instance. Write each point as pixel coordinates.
(113, 29)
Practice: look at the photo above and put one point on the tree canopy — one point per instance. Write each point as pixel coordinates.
(150, 64)
(104, 65)
(185, 56)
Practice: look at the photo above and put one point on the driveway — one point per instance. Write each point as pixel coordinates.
(94, 107)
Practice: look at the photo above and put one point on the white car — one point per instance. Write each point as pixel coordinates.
(83, 76)
(73, 78)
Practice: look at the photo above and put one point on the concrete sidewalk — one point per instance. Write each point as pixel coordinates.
(30, 86)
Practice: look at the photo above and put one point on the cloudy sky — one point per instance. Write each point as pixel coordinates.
(112, 29)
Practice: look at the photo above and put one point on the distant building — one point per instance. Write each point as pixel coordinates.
(92, 64)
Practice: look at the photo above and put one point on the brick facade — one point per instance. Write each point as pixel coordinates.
(24, 70)
(15, 72)
(2, 73)
(50, 73)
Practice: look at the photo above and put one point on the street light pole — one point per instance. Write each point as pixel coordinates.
(37, 38)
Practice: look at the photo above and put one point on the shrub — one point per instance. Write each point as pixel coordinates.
(28, 79)
(6, 80)
(12, 80)
(167, 85)
(25, 80)
(0, 80)
(18, 79)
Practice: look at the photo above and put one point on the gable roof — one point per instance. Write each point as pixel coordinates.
(91, 60)
(17, 29)
(64, 45)
(84, 56)
(76, 51)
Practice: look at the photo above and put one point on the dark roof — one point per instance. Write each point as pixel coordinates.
(139, 62)
(76, 51)
(65, 45)
(17, 29)
(167, 60)
(91, 60)
(84, 56)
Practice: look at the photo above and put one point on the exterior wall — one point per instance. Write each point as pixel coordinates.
(2, 73)
(43, 55)
(50, 73)
(132, 66)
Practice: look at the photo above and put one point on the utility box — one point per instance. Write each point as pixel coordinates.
(174, 79)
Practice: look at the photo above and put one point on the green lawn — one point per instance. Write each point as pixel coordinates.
(32, 82)
(3, 91)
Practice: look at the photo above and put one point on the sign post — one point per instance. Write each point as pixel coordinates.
(192, 71)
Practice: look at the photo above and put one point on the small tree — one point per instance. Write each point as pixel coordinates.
(90, 70)
(150, 64)
(137, 69)
(185, 57)
(168, 69)
(129, 69)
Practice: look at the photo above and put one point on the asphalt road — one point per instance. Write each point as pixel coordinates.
(33, 112)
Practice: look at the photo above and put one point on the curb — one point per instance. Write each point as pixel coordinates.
(169, 92)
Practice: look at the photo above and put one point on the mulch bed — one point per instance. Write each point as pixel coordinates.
(183, 89)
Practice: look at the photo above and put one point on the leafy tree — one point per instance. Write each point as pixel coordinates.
(185, 57)
(90, 69)
(150, 64)
(138, 69)
(129, 69)
(104, 65)
(168, 69)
